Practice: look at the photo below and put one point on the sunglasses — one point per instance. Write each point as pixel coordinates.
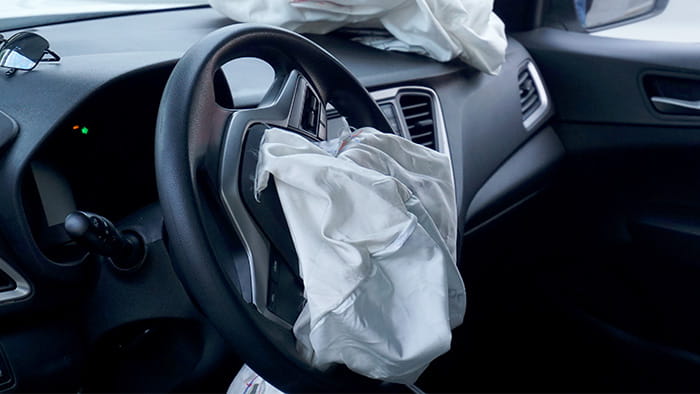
(24, 51)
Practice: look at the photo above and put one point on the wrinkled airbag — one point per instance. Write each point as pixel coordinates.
(441, 29)
(373, 219)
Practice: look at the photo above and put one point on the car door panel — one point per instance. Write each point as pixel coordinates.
(630, 199)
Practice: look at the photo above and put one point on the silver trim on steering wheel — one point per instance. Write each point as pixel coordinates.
(256, 246)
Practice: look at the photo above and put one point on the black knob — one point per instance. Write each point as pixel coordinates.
(98, 235)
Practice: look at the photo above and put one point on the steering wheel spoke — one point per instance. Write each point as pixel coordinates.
(292, 104)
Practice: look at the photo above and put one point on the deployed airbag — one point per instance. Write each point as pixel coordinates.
(441, 29)
(373, 219)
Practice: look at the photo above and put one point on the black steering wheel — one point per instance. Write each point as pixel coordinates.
(235, 255)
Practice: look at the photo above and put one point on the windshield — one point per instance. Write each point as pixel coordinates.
(21, 13)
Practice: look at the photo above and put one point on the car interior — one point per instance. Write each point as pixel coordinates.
(576, 184)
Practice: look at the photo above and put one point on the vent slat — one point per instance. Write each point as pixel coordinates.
(533, 100)
(417, 116)
(426, 134)
(417, 110)
(523, 76)
(422, 124)
(530, 111)
(414, 106)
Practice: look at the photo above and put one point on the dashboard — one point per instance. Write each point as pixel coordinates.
(82, 138)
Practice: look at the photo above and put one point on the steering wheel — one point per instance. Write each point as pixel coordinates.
(233, 254)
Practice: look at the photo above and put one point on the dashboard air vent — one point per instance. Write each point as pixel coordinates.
(529, 94)
(417, 111)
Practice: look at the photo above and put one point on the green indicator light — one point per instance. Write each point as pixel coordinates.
(84, 130)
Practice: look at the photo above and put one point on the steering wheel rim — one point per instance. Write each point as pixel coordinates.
(201, 152)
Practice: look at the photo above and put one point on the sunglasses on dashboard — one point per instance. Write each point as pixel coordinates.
(24, 51)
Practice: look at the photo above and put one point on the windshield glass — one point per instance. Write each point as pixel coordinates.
(21, 13)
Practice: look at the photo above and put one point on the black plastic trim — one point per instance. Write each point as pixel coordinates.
(524, 173)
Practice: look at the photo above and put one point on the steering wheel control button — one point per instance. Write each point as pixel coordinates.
(126, 250)
(285, 289)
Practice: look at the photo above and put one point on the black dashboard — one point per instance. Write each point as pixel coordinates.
(85, 141)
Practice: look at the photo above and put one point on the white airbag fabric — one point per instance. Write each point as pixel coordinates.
(374, 222)
(441, 29)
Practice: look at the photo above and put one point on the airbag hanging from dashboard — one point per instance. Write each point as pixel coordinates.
(374, 222)
(441, 29)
